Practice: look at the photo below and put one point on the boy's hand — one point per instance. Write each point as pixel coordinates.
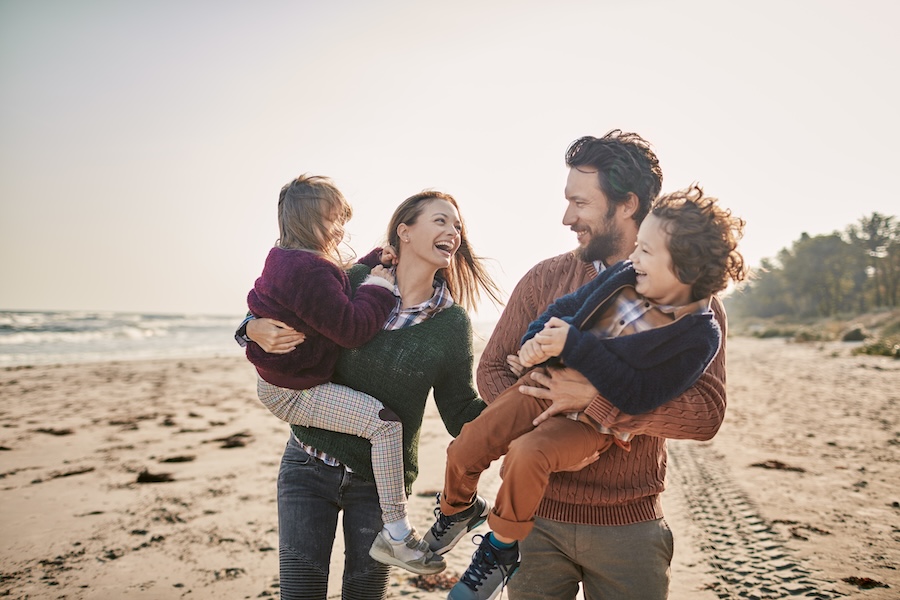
(531, 354)
(515, 365)
(549, 342)
(388, 256)
(552, 337)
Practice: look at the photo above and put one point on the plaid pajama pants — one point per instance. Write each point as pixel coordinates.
(338, 408)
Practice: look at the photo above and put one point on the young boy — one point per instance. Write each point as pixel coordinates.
(642, 332)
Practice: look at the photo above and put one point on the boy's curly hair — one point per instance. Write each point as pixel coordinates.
(703, 239)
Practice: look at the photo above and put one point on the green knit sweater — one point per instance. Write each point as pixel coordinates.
(400, 368)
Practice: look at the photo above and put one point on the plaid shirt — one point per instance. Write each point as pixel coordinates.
(398, 319)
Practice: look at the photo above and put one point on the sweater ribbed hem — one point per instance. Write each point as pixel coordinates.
(645, 509)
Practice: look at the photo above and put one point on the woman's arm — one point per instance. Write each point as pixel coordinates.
(454, 391)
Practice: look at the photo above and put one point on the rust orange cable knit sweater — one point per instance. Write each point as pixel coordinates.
(621, 487)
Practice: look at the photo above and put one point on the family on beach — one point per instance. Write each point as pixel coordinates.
(599, 356)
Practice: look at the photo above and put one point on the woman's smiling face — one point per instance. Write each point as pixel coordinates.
(435, 236)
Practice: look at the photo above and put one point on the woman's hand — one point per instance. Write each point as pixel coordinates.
(274, 336)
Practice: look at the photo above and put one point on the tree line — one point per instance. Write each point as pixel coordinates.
(846, 272)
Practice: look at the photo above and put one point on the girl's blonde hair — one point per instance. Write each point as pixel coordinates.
(466, 277)
(304, 205)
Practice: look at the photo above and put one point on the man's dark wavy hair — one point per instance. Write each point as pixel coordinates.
(624, 162)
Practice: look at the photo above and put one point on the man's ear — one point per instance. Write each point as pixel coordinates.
(630, 207)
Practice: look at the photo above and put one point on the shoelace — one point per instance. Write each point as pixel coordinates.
(483, 562)
(442, 524)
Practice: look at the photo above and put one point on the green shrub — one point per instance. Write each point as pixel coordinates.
(811, 335)
(887, 346)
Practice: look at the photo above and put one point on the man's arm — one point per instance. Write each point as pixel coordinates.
(539, 287)
(494, 375)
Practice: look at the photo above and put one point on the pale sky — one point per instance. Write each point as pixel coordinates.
(143, 145)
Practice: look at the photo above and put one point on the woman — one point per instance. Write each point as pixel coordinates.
(425, 346)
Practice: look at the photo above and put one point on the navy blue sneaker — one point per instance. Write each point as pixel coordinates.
(446, 531)
(489, 572)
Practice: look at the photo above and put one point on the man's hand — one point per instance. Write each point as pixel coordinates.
(274, 336)
(569, 390)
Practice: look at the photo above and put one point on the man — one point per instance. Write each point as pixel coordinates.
(602, 525)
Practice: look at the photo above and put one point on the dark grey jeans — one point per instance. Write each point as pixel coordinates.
(310, 496)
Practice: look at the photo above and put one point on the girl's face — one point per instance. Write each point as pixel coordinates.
(435, 236)
(656, 279)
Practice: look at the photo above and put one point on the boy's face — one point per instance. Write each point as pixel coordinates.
(656, 279)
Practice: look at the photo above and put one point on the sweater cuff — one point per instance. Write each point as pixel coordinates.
(601, 410)
(381, 281)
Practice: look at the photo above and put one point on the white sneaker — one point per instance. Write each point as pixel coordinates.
(411, 554)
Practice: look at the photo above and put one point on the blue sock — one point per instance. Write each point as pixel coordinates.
(498, 544)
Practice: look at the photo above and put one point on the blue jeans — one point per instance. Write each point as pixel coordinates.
(310, 496)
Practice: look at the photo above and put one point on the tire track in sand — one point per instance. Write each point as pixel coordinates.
(746, 557)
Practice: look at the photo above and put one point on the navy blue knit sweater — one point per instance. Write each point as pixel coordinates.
(636, 372)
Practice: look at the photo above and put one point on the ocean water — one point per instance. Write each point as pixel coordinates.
(40, 338)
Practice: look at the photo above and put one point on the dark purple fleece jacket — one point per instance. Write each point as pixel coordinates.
(313, 296)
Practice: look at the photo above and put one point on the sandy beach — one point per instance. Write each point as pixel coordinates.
(156, 479)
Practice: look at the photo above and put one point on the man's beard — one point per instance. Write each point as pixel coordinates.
(603, 245)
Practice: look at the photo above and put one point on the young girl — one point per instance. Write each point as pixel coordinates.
(305, 286)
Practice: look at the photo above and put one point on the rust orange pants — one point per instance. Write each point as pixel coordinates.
(532, 454)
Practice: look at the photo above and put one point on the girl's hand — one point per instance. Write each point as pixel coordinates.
(389, 256)
(384, 273)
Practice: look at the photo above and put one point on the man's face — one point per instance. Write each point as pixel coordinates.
(589, 216)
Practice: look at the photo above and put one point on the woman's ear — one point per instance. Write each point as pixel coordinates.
(403, 232)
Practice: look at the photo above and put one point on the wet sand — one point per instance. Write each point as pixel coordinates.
(156, 479)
